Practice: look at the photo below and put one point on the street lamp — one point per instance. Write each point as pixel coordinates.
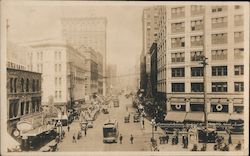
(204, 64)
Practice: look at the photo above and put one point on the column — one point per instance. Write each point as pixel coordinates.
(187, 105)
(208, 103)
(230, 106)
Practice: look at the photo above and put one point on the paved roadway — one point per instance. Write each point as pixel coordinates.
(94, 139)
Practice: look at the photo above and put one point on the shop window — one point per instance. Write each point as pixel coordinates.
(196, 107)
(238, 109)
(219, 108)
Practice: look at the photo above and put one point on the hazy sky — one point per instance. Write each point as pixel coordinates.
(124, 28)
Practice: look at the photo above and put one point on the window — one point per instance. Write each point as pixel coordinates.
(197, 9)
(33, 106)
(197, 25)
(220, 54)
(60, 94)
(196, 41)
(33, 85)
(238, 109)
(60, 81)
(56, 94)
(56, 81)
(220, 22)
(178, 42)
(197, 71)
(22, 108)
(27, 85)
(197, 87)
(238, 37)
(27, 108)
(219, 86)
(178, 87)
(196, 107)
(237, 7)
(239, 53)
(196, 55)
(13, 109)
(22, 85)
(219, 38)
(15, 85)
(239, 70)
(178, 72)
(219, 71)
(238, 20)
(218, 8)
(178, 27)
(37, 85)
(178, 12)
(55, 67)
(60, 67)
(214, 107)
(11, 85)
(238, 86)
(178, 57)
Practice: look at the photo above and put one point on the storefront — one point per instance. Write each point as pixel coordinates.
(34, 131)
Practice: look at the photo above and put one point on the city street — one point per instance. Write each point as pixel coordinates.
(94, 139)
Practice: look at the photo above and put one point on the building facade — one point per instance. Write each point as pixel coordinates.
(111, 79)
(63, 71)
(187, 33)
(88, 32)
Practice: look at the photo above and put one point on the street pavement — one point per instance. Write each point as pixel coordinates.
(94, 139)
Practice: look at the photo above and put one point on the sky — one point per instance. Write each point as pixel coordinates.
(29, 22)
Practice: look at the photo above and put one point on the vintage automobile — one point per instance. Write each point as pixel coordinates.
(127, 118)
(84, 125)
(105, 111)
(136, 117)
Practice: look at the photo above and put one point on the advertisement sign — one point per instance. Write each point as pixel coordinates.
(24, 126)
(35, 120)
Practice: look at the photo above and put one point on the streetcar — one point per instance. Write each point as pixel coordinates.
(110, 131)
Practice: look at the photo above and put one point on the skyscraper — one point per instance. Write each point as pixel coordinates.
(88, 32)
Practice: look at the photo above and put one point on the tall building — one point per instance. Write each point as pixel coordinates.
(93, 76)
(188, 33)
(149, 28)
(88, 32)
(112, 81)
(63, 72)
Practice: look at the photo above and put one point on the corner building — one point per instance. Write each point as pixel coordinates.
(186, 33)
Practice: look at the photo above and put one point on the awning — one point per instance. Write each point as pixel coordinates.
(195, 116)
(175, 116)
(218, 117)
(236, 116)
(37, 131)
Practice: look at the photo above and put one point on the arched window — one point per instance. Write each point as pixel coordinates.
(33, 86)
(27, 85)
(15, 82)
(22, 85)
(37, 85)
(11, 85)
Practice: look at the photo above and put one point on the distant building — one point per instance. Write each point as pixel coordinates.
(88, 32)
(112, 79)
(63, 72)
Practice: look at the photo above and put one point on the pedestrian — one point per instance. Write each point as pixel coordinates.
(74, 139)
(68, 128)
(131, 139)
(63, 133)
(155, 127)
(57, 139)
(229, 139)
(120, 138)
(183, 139)
(167, 138)
(143, 123)
(85, 131)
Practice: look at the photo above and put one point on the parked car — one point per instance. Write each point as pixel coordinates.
(105, 111)
(127, 118)
(136, 117)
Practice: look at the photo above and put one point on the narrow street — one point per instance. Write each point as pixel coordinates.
(94, 139)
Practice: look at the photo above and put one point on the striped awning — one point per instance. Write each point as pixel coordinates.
(195, 116)
(175, 116)
(218, 117)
